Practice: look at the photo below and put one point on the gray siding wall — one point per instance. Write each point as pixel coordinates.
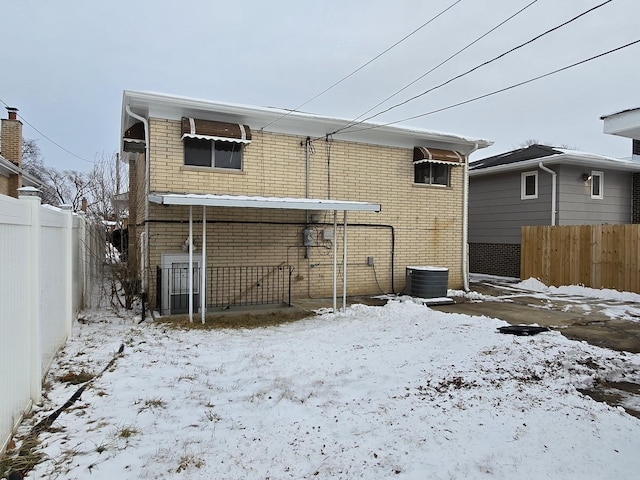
(496, 211)
(575, 205)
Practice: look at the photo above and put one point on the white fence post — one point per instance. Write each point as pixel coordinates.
(68, 266)
(30, 194)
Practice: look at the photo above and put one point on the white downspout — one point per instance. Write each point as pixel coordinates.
(465, 222)
(144, 262)
(554, 182)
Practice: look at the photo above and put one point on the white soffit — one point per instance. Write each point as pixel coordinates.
(242, 201)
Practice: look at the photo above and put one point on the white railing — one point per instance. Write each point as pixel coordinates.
(46, 259)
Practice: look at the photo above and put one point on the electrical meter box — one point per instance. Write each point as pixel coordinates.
(308, 237)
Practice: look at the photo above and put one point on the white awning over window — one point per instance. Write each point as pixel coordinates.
(435, 155)
(217, 131)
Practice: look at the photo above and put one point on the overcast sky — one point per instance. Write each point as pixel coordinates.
(66, 63)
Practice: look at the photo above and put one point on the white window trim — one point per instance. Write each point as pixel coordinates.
(600, 175)
(437, 185)
(213, 155)
(523, 185)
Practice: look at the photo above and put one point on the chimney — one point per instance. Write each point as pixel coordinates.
(11, 139)
(11, 147)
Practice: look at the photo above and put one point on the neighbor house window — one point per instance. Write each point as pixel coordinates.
(432, 173)
(529, 187)
(212, 153)
(597, 184)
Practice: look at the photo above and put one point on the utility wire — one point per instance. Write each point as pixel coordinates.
(354, 121)
(502, 89)
(363, 66)
(46, 137)
(478, 66)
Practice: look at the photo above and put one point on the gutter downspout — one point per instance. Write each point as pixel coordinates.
(145, 261)
(554, 191)
(465, 222)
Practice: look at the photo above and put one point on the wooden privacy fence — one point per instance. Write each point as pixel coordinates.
(598, 256)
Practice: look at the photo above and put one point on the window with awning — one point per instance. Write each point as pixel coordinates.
(133, 138)
(214, 144)
(432, 166)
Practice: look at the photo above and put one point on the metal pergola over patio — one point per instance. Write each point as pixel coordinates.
(277, 203)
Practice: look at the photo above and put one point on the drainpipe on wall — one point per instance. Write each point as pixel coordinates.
(465, 222)
(554, 182)
(144, 263)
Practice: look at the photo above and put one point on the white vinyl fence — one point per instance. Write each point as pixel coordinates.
(48, 261)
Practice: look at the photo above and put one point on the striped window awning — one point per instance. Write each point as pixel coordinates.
(435, 155)
(210, 130)
(133, 139)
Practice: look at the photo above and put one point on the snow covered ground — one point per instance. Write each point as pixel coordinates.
(400, 391)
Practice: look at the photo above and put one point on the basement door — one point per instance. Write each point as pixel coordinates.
(175, 283)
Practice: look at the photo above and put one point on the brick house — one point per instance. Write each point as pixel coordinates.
(275, 196)
(12, 177)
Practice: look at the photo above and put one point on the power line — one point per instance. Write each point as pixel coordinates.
(354, 121)
(363, 66)
(477, 67)
(495, 92)
(47, 138)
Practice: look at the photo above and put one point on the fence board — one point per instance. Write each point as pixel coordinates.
(39, 250)
(598, 256)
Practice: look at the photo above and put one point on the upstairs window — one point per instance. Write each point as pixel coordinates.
(209, 153)
(529, 185)
(431, 173)
(432, 166)
(597, 185)
(214, 144)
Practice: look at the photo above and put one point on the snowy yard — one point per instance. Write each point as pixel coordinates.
(399, 391)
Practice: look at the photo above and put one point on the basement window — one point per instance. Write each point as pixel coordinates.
(209, 153)
(529, 185)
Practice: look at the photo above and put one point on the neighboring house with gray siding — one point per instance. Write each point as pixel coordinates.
(541, 185)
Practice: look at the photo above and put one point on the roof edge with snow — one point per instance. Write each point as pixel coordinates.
(159, 105)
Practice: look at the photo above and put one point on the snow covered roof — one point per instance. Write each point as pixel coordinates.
(243, 201)
(531, 156)
(7, 167)
(277, 120)
(625, 123)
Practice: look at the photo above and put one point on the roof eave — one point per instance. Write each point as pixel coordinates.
(564, 159)
(298, 123)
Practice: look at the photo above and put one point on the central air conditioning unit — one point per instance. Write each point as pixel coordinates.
(427, 282)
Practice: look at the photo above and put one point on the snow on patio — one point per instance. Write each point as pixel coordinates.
(399, 391)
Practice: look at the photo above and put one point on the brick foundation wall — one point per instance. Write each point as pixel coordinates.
(495, 259)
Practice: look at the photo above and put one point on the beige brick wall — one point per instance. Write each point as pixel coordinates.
(4, 185)
(427, 221)
(11, 140)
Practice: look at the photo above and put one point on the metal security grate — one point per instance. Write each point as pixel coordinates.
(226, 287)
